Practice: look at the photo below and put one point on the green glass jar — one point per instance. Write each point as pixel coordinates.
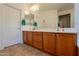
(23, 22)
(35, 25)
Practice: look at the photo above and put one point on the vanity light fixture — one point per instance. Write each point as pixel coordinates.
(34, 8)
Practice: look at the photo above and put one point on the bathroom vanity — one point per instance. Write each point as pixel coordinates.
(54, 42)
(54, 32)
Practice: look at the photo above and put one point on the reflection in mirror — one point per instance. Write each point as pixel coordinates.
(29, 18)
(64, 21)
(51, 16)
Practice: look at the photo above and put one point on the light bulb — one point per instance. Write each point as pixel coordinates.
(27, 12)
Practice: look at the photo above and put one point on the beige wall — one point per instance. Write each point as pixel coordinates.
(49, 16)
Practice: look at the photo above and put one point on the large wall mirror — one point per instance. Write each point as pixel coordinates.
(52, 16)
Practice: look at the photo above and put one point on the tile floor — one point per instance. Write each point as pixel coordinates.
(21, 50)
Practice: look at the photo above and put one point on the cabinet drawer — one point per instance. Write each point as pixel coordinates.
(37, 38)
(37, 44)
(37, 33)
(48, 34)
(67, 35)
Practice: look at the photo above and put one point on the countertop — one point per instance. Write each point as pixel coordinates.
(50, 30)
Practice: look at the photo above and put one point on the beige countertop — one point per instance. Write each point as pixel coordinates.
(50, 30)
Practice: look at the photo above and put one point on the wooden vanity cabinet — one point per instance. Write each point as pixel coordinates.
(24, 37)
(49, 42)
(66, 44)
(37, 40)
(61, 44)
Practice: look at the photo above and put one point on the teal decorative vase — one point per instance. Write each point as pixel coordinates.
(34, 23)
(23, 22)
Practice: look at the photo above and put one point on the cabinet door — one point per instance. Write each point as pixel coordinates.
(49, 42)
(66, 44)
(24, 37)
(78, 51)
(29, 38)
(37, 40)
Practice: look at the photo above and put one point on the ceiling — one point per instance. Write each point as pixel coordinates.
(44, 6)
(58, 6)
